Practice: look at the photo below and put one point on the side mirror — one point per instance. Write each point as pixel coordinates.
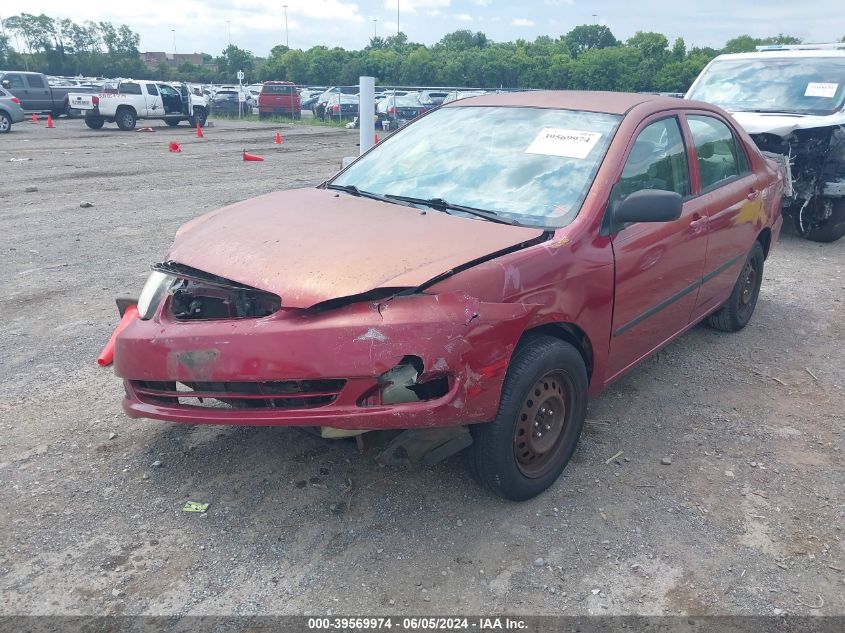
(347, 161)
(648, 205)
(6, 83)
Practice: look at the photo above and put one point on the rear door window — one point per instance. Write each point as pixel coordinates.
(720, 154)
(152, 90)
(35, 81)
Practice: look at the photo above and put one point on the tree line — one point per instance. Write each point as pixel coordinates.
(588, 57)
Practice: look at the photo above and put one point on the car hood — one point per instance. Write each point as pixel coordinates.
(784, 124)
(312, 245)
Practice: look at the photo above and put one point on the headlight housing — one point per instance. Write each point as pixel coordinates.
(157, 284)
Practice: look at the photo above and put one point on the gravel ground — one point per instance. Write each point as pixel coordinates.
(747, 518)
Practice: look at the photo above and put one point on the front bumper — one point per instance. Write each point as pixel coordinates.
(457, 336)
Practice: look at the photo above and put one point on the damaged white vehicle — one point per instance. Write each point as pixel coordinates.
(791, 100)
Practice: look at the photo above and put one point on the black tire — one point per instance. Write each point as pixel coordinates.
(737, 310)
(5, 123)
(199, 116)
(827, 230)
(126, 118)
(94, 122)
(172, 122)
(509, 455)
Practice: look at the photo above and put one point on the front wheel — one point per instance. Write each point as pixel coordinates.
(126, 119)
(737, 311)
(94, 122)
(827, 229)
(541, 414)
(172, 122)
(5, 123)
(198, 117)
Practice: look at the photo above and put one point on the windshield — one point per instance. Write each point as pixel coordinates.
(803, 85)
(530, 165)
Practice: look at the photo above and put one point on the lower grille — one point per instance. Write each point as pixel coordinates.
(284, 394)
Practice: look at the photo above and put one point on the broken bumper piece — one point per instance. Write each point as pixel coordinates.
(407, 362)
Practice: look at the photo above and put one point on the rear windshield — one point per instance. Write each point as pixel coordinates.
(800, 85)
(277, 90)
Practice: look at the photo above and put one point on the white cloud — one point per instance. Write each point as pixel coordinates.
(554, 3)
(411, 6)
(522, 22)
(463, 17)
(482, 3)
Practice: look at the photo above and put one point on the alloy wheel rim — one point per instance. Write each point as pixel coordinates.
(540, 426)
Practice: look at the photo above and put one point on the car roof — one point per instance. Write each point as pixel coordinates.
(784, 53)
(592, 101)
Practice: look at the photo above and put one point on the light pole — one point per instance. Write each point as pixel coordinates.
(375, 27)
(287, 38)
(229, 30)
(397, 18)
(174, 40)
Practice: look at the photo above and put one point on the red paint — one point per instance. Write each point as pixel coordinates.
(466, 325)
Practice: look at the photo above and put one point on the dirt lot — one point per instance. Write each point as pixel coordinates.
(747, 519)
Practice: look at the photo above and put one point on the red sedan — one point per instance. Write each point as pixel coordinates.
(470, 280)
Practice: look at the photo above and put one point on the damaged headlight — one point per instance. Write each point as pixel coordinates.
(157, 284)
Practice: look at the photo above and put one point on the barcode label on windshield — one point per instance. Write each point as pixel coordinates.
(818, 89)
(552, 141)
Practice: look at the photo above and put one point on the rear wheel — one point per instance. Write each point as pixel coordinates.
(737, 311)
(172, 122)
(94, 122)
(829, 228)
(541, 413)
(126, 119)
(5, 123)
(198, 117)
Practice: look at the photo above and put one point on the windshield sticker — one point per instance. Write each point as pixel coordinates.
(553, 141)
(818, 89)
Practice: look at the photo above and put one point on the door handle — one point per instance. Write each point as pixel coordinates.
(698, 221)
(752, 195)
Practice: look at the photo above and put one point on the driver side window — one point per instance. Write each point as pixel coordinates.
(658, 160)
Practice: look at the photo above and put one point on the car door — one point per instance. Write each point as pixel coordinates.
(658, 264)
(153, 100)
(734, 208)
(38, 93)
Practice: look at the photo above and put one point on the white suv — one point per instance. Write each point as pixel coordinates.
(791, 100)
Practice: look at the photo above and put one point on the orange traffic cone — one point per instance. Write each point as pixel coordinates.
(199, 131)
(252, 157)
(278, 140)
(376, 139)
(107, 355)
(50, 121)
(34, 118)
(174, 147)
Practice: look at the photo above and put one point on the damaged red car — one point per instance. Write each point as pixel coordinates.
(470, 281)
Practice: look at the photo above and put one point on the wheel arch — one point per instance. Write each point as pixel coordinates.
(123, 106)
(569, 333)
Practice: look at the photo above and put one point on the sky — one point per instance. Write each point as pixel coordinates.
(258, 25)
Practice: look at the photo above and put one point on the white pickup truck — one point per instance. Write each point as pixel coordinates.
(133, 100)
